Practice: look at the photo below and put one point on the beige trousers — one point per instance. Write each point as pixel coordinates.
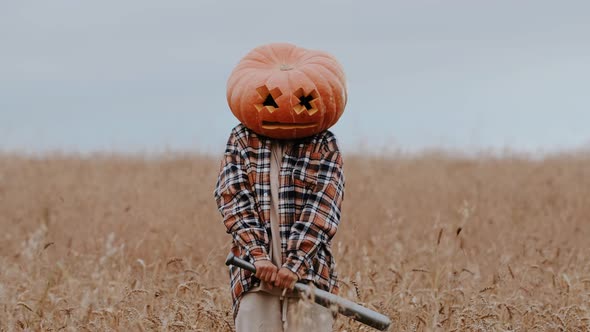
(262, 312)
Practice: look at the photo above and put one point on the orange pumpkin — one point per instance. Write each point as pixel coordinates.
(284, 91)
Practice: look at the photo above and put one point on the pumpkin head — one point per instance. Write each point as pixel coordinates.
(284, 91)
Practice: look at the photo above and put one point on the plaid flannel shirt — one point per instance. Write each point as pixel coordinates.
(311, 189)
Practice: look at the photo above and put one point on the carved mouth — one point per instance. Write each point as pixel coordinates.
(282, 125)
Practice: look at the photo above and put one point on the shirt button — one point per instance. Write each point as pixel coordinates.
(265, 194)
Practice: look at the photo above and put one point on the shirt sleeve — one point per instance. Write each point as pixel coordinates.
(320, 216)
(235, 201)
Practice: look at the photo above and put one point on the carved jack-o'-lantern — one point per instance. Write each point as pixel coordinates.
(284, 91)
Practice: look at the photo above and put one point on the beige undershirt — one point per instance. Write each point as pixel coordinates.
(276, 157)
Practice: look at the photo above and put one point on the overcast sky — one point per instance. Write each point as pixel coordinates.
(149, 75)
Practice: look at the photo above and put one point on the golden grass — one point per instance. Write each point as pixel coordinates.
(434, 241)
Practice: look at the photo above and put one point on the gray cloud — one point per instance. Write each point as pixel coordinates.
(145, 74)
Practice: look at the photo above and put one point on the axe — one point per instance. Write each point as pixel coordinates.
(321, 297)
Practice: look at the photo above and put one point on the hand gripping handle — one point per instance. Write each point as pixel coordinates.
(328, 300)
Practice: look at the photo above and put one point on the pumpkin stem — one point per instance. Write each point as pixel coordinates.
(285, 67)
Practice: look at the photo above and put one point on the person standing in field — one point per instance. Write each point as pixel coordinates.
(281, 184)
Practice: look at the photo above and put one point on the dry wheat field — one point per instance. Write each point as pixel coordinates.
(435, 241)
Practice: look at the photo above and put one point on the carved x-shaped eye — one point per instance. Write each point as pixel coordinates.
(268, 98)
(307, 102)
